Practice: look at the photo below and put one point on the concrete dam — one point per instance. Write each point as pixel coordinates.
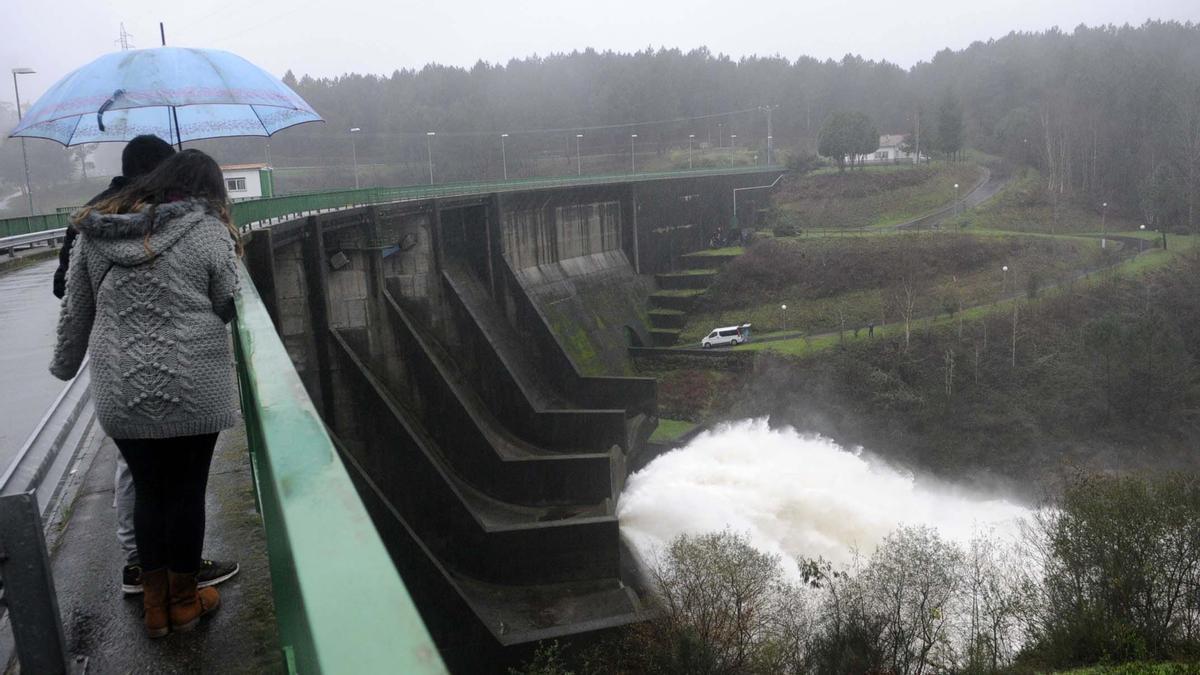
(468, 356)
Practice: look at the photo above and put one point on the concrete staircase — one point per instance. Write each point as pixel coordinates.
(678, 292)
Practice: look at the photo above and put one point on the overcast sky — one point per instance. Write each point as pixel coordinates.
(326, 38)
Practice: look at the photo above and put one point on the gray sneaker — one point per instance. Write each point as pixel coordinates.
(211, 573)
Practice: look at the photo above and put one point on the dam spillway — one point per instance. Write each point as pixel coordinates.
(468, 357)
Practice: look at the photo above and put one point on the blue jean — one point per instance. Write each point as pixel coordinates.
(123, 500)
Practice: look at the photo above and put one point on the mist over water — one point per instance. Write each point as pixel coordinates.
(793, 494)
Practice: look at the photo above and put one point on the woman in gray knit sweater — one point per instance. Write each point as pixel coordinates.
(150, 289)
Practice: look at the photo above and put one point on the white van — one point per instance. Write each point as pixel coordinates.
(729, 335)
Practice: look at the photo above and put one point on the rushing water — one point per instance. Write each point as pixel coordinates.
(793, 494)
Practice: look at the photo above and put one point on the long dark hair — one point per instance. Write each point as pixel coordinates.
(188, 174)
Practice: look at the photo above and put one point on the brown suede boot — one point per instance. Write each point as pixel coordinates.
(189, 604)
(154, 602)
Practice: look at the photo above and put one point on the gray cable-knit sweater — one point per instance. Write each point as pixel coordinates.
(161, 361)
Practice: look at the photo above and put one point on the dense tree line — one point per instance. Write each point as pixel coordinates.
(1110, 114)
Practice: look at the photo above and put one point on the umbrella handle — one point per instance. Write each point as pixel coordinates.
(105, 106)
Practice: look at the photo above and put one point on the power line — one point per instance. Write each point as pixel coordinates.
(564, 130)
(123, 42)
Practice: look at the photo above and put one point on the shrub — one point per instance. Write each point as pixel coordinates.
(1121, 556)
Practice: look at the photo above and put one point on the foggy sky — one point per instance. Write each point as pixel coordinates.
(324, 38)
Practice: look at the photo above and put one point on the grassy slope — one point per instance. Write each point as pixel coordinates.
(1138, 668)
(866, 198)
(1026, 206)
(855, 281)
(669, 429)
(1073, 394)
(1026, 421)
(1149, 261)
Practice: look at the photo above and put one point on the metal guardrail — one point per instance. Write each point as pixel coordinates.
(29, 224)
(258, 210)
(270, 208)
(340, 604)
(44, 458)
(10, 244)
(30, 487)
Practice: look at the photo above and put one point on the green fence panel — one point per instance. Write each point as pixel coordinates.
(288, 206)
(340, 604)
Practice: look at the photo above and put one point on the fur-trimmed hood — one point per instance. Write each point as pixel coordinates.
(121, 237)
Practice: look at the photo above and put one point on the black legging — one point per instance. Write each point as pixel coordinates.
(170, 476)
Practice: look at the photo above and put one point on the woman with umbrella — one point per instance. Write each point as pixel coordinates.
(178, 94)
(153, 276)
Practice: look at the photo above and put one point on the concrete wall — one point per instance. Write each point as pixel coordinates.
(547, 226)
(593, 303)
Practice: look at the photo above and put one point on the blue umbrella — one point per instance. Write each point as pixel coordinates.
(175, 93)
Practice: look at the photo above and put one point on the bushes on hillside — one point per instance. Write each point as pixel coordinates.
(851, 185)
(1122, 572)
(1107, 572)
(822, 268)
(1106, 374)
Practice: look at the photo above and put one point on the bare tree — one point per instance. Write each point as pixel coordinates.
(1016, 311)
(948, 361)
(721, 599)
(912, 580)
(906, 301)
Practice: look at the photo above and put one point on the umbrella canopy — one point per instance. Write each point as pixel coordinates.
(175, 93)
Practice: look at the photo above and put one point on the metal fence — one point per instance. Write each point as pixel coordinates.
(252, 211)
(10, 227)
(340, 604)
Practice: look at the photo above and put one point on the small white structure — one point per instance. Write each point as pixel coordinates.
(248, 181)
(890, 151)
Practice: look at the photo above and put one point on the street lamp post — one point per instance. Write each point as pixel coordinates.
(691, 139)
(24, 157)
(782, 321)
(503, 156)
(732, 148)
(429, 151)
(354, 153)
(1104, 225)
(578, 160)
(1004, 288)
(768, 109)
(956, 199)
(632, 153)
(1142, 242)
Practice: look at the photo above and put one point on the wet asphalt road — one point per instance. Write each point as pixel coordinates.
(28, 316)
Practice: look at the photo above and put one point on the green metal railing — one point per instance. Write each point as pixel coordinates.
(258, 210)
(340, 604)
(29, 224)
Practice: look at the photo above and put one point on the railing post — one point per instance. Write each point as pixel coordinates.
(29, 589)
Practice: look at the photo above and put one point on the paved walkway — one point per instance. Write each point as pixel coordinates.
(106, 626)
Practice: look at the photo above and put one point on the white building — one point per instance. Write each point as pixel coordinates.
(888, 152)
(248, 181)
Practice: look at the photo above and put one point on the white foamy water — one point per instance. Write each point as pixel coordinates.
(793, 494)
